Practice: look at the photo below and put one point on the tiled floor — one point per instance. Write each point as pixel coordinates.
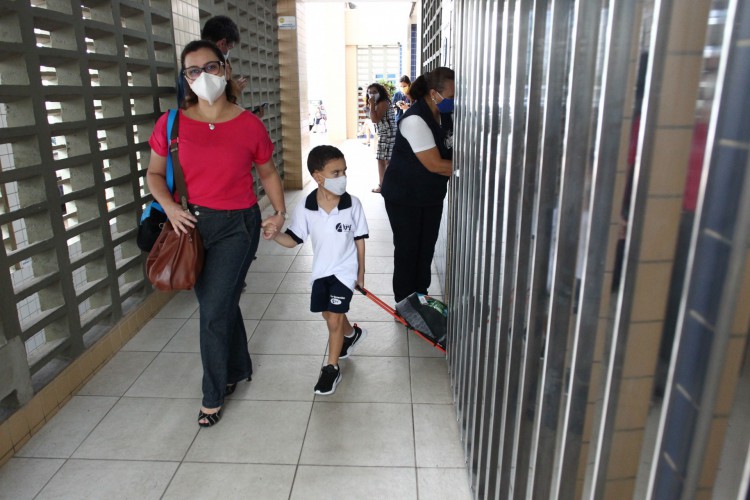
(388, 432)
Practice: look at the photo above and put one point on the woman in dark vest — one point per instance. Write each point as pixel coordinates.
(415, 182)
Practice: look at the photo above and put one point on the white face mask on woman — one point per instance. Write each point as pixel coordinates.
(209, 87)
(337, 185)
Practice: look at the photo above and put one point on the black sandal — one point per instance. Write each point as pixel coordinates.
(232, 387)
(211, 418)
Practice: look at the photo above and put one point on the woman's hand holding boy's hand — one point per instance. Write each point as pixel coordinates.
(270, 229)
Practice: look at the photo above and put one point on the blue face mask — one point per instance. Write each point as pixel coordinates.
(446, 105)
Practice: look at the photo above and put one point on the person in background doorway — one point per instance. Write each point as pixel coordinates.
(401, 100)
(366, 127)
(384, 118)
(415, 183)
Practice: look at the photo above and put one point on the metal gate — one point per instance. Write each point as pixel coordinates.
(598, 268)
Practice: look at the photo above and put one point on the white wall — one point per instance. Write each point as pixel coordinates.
(330, 29)
(326, 68)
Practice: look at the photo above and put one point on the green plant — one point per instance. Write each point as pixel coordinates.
(389, 86)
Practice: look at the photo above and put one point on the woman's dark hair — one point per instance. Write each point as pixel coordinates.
(190, 98)
(405, 79)
(384, 96)
(320, 155)
(220, 28)
(434, 80)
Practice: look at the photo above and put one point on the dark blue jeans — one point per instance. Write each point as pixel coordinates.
(230, 239)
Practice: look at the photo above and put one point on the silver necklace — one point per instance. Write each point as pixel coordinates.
(211, 126)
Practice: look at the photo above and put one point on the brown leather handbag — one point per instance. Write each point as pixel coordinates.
(176, 260)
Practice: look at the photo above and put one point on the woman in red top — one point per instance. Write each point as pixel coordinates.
(219, 142)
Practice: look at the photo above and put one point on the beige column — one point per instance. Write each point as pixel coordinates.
(292, 68)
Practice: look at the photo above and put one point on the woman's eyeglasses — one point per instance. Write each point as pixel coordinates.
(211, 67)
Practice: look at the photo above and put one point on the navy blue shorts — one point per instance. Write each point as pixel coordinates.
(329, 294)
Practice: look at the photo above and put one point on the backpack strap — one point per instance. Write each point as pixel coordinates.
(171, 135)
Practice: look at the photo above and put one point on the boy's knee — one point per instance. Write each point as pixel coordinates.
(333, 319)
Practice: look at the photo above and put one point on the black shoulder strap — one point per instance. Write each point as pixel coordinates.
(179, 177)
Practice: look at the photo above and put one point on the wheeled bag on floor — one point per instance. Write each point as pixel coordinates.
(425, 316)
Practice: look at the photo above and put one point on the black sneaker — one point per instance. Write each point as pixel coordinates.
(350, 343)
(330, 376)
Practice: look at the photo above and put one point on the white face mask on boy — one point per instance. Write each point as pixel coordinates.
(209, 87)
(337, 185)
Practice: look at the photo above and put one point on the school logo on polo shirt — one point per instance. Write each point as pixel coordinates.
(341, 228)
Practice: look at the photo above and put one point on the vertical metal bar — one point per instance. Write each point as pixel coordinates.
(497, 236)
(580, 87)
(557, 52)
(514, 260)
(619, 38)
(528, 345)
(486, 275)
(641, 176)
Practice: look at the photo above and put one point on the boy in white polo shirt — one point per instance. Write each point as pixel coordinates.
(335, 221)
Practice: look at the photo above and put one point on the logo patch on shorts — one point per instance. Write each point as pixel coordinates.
(336, 301)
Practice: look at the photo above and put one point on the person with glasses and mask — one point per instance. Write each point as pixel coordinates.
(416, 180)
(219, 143)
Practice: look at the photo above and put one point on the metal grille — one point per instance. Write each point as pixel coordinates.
(81, 86)
(81, 82)
(580, 131)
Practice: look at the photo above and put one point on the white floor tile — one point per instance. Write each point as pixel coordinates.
(253, 305)
(364, 434)
(263, 282)
(378, 264)
(290, 337)
(436, 436)
(260, 432)
(389, 431)
(291, 306)
(372, 380)
(430, 382)
(281, 377)
(267, 247)
(155, 335)
(364, 309)
(182, 305)
(60, 437)
(170, 375)
(118, 374)
(144, 429)
(271, 264)
(378, 249)
(420, 348)
(110, 479)
(383, 339)
(25, 477)
(362, 483)
(231, 481)
(295, 283)
(302, 264)
(443, 484)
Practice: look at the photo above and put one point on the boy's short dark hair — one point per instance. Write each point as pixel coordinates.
(320, 155)
(219, 28)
